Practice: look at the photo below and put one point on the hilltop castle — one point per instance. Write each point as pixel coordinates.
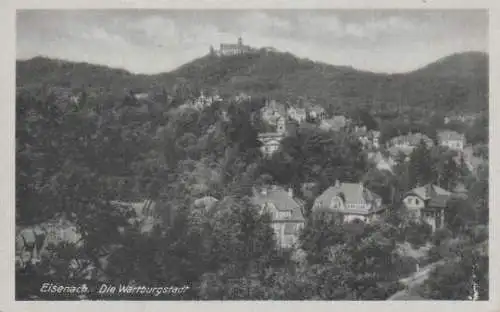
(231, 48)
(237, 49)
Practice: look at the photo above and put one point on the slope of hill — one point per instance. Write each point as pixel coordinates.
(463, 65)
(455, 83)
(38, 71)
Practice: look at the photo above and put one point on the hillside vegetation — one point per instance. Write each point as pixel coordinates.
(457, 83)
(75, 158)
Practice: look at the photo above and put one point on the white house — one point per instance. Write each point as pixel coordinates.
(451, 139)
(352, 200)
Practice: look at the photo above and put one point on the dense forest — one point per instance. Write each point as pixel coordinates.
(73, 160)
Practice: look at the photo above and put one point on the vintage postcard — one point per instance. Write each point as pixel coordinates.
(251, 154)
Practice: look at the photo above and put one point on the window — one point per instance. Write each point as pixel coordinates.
(417, 202)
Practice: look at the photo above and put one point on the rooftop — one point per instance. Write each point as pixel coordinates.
(353, 193)
(411, 139)
(435, 195)
(447, 135)
(281, 199)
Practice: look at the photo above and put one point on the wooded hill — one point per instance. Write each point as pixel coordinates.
(457, 83)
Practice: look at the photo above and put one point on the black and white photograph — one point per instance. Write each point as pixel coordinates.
(252, 155)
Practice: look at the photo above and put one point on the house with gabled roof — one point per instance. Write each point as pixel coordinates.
(410, 140)
(427, 203)
(407, 143)
(451, 139)
(285, 210)
(352, 200)
(270, 142)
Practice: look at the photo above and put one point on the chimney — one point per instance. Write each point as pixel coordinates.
(290, 192)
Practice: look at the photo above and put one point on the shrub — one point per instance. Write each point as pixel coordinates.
(480, 233)
(417, 234)
(405, 266)
(440, 236)
(434, 254)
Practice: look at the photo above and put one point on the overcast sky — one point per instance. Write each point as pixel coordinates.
(151, 41)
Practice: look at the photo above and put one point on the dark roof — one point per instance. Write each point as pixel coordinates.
(428, 191)
(435, 196)
(438, 201)
(280, 198)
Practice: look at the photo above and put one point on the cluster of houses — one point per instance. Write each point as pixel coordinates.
(280, 116)
(205, 100)
(407, 143)
(352, 201)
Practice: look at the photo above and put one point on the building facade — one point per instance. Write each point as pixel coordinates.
(316, 113)
(427, 204)
(270, 142)
(352, 200)
(205, 100)
(297, 114)
(228, 49)
(452, 139)
(285, 211)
